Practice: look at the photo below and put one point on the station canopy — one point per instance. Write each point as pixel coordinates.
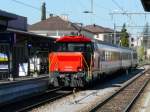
(146, 5)
(4, 18)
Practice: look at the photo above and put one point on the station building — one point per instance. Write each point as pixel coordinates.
(22, 53)
(146, 6)
(54, 26)
(100, 33)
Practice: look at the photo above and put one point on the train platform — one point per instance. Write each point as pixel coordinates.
(21, 88)
(20, 79)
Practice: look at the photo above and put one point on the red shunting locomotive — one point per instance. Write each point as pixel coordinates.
(71, 62)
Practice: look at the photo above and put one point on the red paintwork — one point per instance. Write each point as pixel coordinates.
(80, 38)
(65, 61)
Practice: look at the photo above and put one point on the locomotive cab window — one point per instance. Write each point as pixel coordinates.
(73, 47)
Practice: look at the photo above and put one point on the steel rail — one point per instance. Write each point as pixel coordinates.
(42, 102)
(43, 98)
(129, 106)
(117, 92)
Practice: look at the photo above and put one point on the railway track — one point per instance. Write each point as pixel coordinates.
(123, 99)
(36, 101)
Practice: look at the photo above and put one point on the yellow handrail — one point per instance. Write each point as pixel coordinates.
(89, 70)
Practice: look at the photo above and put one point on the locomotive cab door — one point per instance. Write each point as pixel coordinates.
(88, 54)
(96, 61)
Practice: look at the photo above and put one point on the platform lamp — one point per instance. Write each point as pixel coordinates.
(91, 11)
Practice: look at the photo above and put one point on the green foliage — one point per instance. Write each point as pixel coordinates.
(140, 51)
(124, 37)
(146, 34)
(43, 17)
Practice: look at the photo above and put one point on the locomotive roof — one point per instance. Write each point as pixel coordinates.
(80, 38)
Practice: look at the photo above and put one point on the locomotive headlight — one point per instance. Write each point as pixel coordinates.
(79, 69)
(56, 69)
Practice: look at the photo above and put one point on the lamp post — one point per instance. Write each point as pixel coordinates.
(91, 11)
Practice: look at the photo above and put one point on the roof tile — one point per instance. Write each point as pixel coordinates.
(52, 23)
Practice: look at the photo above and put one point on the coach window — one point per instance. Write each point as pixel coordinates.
(134, 56)
(103, 55)
(123, 56)
(112, 56)
(105, 58)
(106, 55)
(126, 56)
(96, 46)
(117, 56)
(129, 55)
(109, 55)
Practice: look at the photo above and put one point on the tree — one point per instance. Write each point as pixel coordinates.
(141, 52)
(124, 37)
(43, 16)
(146, 34)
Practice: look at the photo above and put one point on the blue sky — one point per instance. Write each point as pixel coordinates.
(75, 8)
